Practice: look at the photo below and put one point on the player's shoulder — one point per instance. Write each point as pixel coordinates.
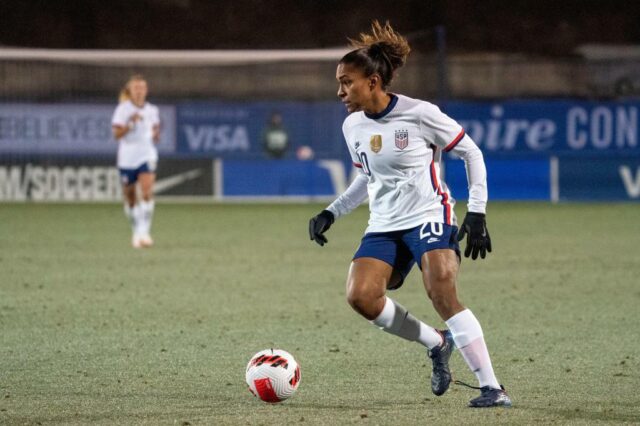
(122, 112)
(417, 106)
(151, 107)
(423, 111)
(352, 120)
(124, 105)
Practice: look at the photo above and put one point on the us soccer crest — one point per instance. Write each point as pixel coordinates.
(376, 143)
(402, 139)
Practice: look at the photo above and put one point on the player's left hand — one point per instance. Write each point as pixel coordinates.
(478, 239)
(319, 224)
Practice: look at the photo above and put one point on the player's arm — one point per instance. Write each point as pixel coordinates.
(474, 225)
(468, 151)
(120, 125)
(155, 128)
(156, 133)
(351, 198)
(119, 131)
(450, 136)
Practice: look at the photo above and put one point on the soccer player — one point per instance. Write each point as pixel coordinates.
(397, 143)
(136, 126)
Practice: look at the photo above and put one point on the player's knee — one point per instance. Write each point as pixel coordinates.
(361, 301)
(442, 276)
(356, 298)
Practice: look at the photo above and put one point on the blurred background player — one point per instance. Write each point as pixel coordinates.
(136, 126)
(275, 138)
(397, 142)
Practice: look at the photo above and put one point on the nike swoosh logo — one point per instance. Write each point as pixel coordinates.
(169, 182)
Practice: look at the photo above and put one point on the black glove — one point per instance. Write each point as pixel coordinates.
(319, 224)
(478, 239)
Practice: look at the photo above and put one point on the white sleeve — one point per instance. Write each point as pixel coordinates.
(155, 120)
(355, 194)
(120, 116)
(354, 156)
(476, 173)
(440, 129)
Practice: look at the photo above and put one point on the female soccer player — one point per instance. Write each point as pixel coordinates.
(136, 126)
(397, 142)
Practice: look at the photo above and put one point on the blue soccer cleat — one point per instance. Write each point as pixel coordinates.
(491, 397)
(441, 375)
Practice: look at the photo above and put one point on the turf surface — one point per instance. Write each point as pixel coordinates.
(95, 332)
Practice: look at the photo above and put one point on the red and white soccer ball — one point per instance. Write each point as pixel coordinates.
(273, 375)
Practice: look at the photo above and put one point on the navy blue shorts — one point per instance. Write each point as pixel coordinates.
(130, 176)
(402, 249)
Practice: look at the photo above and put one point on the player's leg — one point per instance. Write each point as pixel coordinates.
(366, 287)
(439, 274)
(382, 262)
(440, 270)
(131, 208)
(147, 205)
(423, 239)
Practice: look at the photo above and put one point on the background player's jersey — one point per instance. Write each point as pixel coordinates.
(136, 147)
(400, 150)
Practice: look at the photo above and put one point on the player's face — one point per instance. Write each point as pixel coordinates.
(354, 88)
(138, 91)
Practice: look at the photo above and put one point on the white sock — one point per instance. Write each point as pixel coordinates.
(138, 214)
(130, 213)
(467, 333)
(147, 208)
(395, 319)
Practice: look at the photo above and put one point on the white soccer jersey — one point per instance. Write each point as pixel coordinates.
(136, 147)
(399, 152)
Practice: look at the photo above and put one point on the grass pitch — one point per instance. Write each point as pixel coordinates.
(95, 332)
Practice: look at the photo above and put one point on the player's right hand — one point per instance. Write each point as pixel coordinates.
(319, 224)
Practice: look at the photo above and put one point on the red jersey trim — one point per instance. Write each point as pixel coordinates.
(455, 141)
(435, 182)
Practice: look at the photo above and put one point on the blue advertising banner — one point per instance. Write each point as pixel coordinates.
(244, 130)
(550, 126)
(237, 130)
(596, 178)
(507, 179)
(282, 178)
(69, 129)
(241, 130)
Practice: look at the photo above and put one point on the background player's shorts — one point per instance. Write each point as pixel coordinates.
(402, 249)
(130, 176)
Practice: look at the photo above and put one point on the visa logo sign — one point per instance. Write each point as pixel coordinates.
(218, 138)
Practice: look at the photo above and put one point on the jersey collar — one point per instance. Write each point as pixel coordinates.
(387, 110)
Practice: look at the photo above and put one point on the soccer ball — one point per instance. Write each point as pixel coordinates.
(273, 375)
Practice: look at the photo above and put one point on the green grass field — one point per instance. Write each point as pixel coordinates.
(95, 332)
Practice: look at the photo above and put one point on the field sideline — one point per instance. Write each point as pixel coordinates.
(95, 332)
